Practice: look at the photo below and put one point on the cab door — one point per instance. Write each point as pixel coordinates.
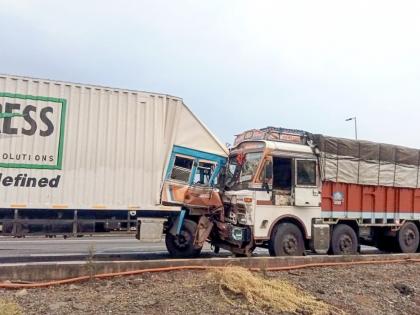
(306, 188)
(201, 192)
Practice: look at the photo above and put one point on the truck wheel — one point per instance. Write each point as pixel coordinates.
(344, 240)
(286, 240)
(408, 238)
(182, 245)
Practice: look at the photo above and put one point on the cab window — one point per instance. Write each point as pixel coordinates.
(306, 172)
(282, 172)
(266, 174)
(182, 169)
(250, 166)
(203, 173)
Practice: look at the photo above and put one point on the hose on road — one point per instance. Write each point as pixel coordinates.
(15, 286)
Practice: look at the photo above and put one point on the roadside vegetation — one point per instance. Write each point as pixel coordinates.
(8, 307)
(268, 294)
(386, 289)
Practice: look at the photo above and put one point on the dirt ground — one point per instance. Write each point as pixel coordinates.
(379, 289)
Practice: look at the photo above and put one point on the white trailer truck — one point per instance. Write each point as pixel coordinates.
(79, 159)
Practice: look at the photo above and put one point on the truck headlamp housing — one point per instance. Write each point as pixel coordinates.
(237, 234)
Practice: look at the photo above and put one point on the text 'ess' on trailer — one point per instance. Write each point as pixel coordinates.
(79, 159)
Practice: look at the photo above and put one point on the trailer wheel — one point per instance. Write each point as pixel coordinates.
(344, 240)
(408, 238)
(286, 240)
(182, 245)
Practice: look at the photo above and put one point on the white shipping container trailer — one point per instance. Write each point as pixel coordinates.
(81, 158)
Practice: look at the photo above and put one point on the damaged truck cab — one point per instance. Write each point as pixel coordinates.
(272, 193)
(191, 178)
(188, 193)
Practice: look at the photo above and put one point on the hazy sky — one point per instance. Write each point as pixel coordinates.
(237, 64)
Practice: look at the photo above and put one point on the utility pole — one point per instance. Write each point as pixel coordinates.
(355, 125)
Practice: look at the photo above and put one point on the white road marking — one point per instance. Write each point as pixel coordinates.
(56, 255)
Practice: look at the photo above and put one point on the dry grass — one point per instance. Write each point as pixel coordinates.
(272, 294)
(9, 308)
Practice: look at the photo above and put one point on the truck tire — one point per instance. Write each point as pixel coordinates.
(286, 240)
(408, 238)
(182, 245)
(344, 240)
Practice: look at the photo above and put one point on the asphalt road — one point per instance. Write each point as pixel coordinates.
(104, 248)
(72, 246)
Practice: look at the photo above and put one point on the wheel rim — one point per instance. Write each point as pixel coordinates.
(290, 244)
(409, 237)
(345, 244)
(182, 240)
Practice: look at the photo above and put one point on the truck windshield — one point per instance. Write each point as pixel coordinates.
(241, 169)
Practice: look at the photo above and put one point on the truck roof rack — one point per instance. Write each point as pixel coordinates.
(273, 134)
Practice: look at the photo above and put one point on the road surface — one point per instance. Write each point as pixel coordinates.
(84, 245)
(102, 247)
(105, 247)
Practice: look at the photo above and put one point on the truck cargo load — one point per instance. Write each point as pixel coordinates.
(367, 163)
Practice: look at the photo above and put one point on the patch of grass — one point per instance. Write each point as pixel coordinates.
(9, 308)
(263, 293)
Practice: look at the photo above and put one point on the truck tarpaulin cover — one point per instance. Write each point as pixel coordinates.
(367, 163)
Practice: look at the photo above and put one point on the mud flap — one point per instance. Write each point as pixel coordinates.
(204, 228)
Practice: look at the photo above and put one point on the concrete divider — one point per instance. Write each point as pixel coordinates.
(44, 271)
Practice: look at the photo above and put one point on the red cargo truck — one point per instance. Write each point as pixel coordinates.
(291, 191)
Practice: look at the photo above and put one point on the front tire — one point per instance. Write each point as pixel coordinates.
(344, 240)
(182, 245)
(286, 240)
